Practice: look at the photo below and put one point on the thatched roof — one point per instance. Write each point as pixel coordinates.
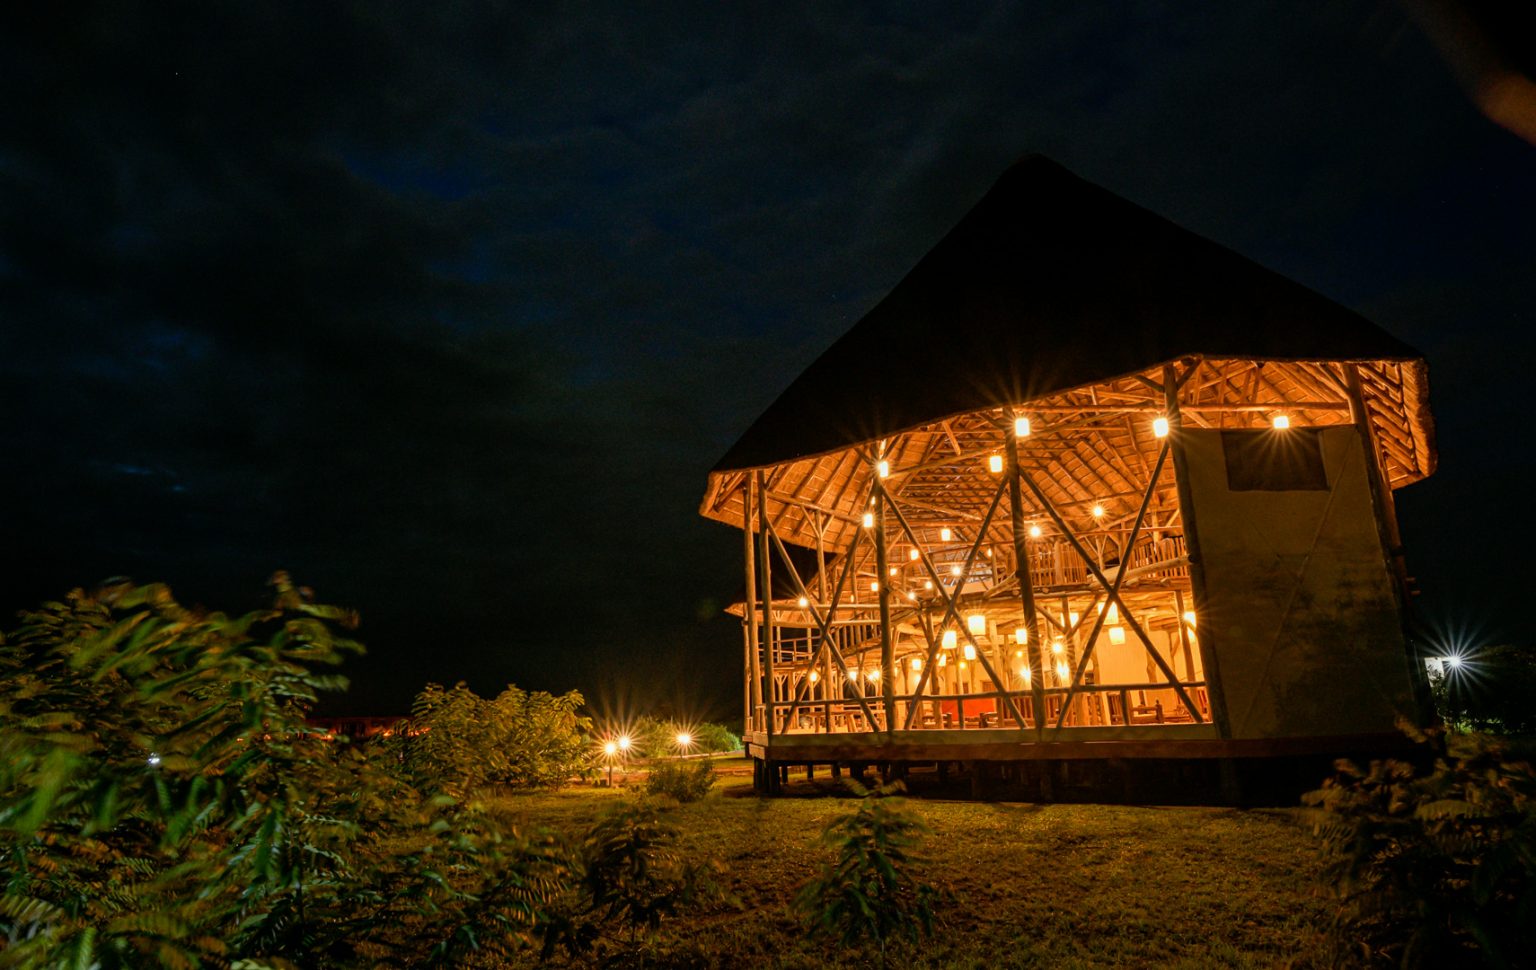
(1049, 283)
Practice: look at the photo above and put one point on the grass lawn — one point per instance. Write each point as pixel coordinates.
(1028, 885)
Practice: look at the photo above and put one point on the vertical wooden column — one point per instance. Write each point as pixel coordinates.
(887, 646)
(754, 669)
(1187, 511)
(1189, 656)
(1033, 649)
(821, 593)
(764, 569)
(1391, 539)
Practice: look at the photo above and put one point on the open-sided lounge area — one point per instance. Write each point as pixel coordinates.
(1083, 485)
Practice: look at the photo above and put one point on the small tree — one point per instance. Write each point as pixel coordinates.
(459, 742)
(868, 890)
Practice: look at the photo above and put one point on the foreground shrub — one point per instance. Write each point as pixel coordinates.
(686, 781)
(1432, 864)
(150, 758)
(162, 804)
(868, 890)
(459, 742)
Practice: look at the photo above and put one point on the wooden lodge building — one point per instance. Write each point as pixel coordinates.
(1083, 486)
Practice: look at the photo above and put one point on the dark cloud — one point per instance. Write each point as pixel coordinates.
(447, 308)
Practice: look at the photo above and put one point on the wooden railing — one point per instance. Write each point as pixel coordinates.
(1090, 705)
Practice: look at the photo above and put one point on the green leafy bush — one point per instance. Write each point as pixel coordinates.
(710, 738)
(686, 781)
(1433, 864)
(657, 738)
(458, 742)
(869, 890)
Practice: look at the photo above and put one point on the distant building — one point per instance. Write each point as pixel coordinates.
(357, 728)
(1193, 457)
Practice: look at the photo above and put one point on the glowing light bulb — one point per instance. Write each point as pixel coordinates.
(911, 595)
(949, 639)
(955, 570)
(1112, 615)
(1057, 646)
(945, 535)
(874, 585)
(970, 652)
(917, 664)
(1025, 674)
(883, 468)
(869, 520)
(927, 584)
(803, 602)
(1034, 532)
(995, 464)
(943, 660)
(913, 554)
(1063, 672)
(853, 675)
(610, 748)
(684, 739)
(1098, 511)
(1021, 427)
(1117, 635)
(892, 571)
(814, 677)
(1189, 617)
(624, 742)
(976, 623)
(1021, 635)
(1160, 427)
(1281, 421)
(873, 676)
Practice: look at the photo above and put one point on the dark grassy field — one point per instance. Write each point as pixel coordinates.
(1027, 885)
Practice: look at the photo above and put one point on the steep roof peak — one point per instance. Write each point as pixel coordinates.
(1049, 282)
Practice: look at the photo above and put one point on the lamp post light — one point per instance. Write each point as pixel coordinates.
(684, 741)
(611, 752)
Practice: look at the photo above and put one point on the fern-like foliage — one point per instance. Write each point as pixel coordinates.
(1434, 866)
(868, 891)
(686, 781)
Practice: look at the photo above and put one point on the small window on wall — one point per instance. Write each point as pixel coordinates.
(1275, 461)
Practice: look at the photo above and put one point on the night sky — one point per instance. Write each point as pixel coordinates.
(448, 308)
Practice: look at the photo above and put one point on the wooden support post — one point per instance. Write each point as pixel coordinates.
(754, 666)
(1391, 539)
(1035, 651)
(764, 568)
(887, 644)
(1187, 515)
